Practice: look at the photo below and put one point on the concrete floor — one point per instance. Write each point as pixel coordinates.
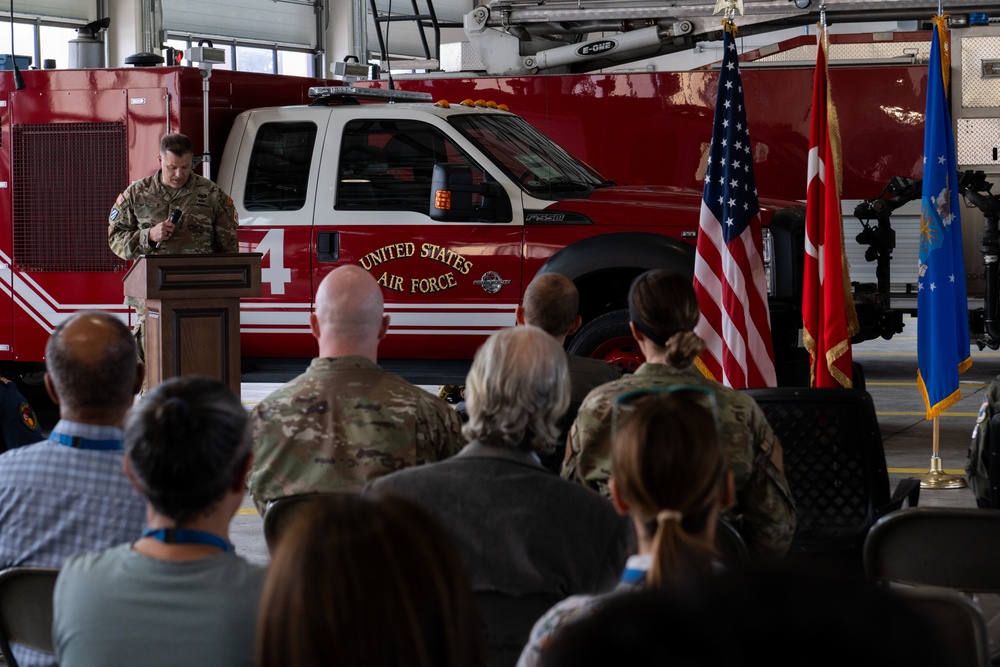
(890, 372)
(891, 377)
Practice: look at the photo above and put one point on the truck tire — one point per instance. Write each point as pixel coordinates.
(608, 337)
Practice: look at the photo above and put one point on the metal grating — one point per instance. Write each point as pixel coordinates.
(978, 141)
(979, 91)
(66, 177)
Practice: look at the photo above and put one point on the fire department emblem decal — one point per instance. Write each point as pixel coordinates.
(491, 282)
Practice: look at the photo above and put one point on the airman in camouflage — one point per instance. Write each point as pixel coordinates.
(346, 421)
(139, 223)
(764, 512)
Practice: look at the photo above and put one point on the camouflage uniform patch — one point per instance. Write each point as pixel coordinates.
(342, 423)
(764, 510)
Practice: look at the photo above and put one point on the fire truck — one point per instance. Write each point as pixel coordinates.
(341, 178)
(333, 179)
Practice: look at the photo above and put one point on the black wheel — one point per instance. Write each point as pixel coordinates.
(608, 337)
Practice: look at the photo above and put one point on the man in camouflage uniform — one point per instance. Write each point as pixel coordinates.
(345, 421)
(139, 223)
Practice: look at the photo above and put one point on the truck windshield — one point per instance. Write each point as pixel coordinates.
(542, 168)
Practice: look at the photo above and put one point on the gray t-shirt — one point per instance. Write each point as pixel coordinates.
(118, 607)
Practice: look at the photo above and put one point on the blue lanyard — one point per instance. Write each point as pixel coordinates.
(77, 442)
(185, 536)
(634, 577)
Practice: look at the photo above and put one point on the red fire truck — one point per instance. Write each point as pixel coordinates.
(339, 178)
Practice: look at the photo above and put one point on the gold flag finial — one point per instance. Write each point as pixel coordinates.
(730, 7)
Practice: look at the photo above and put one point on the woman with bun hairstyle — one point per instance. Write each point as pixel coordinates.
(663, 313)
(669, 475)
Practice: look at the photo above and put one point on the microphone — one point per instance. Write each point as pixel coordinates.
(175, 216)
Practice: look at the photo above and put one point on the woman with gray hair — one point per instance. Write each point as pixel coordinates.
(178, 594)
(519, 528)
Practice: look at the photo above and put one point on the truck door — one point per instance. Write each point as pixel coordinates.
(273, 184)
(447, 285)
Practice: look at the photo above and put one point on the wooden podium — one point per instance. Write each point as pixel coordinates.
(193, 313)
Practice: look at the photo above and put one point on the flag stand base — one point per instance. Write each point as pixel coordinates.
(936, 478)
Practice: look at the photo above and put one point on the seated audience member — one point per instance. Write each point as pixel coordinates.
(668, 474)
(373, 583)
(20, 424)
(178, 595)
(519, 528)
(775, 616)
(552, 303)
(663, 311)
(345, 421)
(67, 494)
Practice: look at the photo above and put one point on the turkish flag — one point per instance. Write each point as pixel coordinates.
(828, 313)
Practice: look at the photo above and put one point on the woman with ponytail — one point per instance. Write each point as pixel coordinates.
(669, 475)
(663, 314)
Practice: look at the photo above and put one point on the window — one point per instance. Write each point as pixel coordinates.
(539, 166)
(54, 43)
(387, 165)
(278, 177)
(24, 42)
(295, 63)
(248, 56)
(252, 59)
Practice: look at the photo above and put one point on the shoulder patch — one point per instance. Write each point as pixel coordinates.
(28, 417)
(120, 200)
(229, 201)
(114, 214)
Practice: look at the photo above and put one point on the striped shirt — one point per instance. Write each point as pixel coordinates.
(56, 501)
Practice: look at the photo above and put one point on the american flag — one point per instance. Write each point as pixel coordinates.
(729, 268)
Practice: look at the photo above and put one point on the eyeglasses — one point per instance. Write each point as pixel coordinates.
(704, 396)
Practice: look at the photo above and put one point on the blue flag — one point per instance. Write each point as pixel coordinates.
(942, 305)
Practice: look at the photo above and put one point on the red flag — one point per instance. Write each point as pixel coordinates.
(828, 312)
(729, 276)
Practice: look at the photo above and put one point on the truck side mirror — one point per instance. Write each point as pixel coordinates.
(451, 197)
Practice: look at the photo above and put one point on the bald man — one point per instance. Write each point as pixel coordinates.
(345, 421)
(68, 494)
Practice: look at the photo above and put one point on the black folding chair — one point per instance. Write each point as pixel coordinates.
(835, 465)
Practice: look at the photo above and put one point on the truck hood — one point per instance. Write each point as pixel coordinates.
(649, 205)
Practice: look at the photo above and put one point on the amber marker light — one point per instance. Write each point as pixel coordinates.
(442, 199)
(443, 103)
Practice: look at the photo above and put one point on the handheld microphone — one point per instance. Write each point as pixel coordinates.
(175, 216)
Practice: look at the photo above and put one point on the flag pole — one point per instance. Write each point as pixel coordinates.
(936, 477)
(942, 302)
